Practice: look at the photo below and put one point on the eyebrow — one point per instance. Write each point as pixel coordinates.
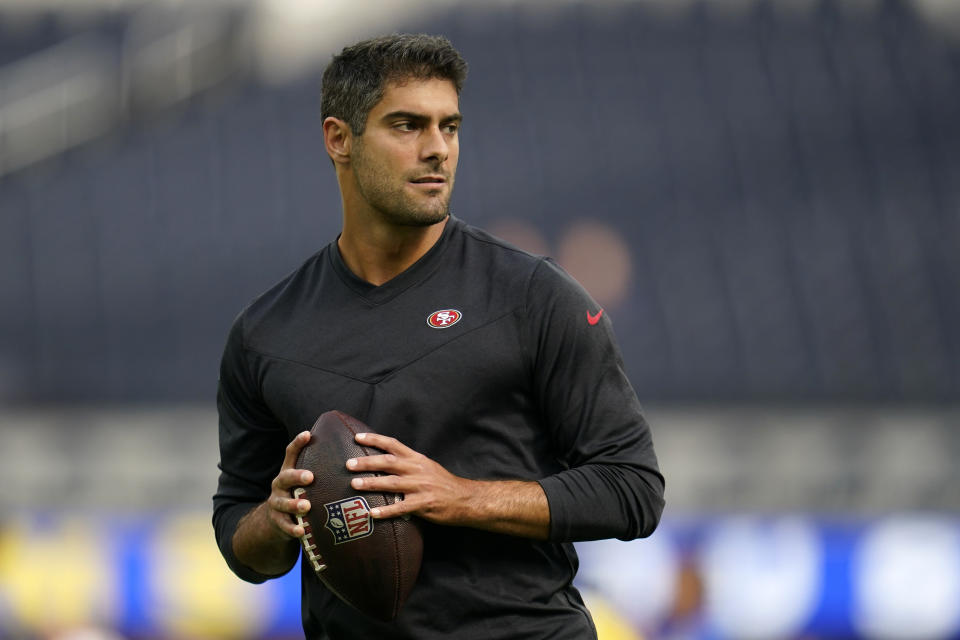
(419, 117)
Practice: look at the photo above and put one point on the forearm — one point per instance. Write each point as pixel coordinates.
(261, 547)
(510, 507)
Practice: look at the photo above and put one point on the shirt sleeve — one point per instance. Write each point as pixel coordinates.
(252, 445)
(611, 486)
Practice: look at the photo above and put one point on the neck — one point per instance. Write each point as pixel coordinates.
(378, 252)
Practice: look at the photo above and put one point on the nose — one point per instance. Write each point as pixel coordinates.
(435, 147)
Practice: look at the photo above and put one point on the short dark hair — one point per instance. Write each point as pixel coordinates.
(355, 80)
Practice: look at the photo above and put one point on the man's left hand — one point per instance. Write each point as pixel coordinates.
(513, 507)
(429, 490)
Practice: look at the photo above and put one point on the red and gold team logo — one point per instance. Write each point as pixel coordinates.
(444, 318)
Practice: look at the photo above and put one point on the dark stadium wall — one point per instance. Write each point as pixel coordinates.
(785, 185)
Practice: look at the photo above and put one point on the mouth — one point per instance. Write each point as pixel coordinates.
(431, 180)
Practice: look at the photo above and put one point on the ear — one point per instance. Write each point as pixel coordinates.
(338, 139)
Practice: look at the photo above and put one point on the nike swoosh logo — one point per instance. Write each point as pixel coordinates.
(592, 320)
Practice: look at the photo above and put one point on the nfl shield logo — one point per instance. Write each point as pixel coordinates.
(349, 519)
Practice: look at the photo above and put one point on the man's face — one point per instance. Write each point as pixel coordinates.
(406, 159)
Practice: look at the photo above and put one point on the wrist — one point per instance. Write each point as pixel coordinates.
(260, 545)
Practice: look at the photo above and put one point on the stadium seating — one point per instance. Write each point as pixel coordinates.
(787, 181)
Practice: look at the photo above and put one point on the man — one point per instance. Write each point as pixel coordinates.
(510, 426)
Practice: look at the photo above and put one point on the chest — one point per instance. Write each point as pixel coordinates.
(443, 380)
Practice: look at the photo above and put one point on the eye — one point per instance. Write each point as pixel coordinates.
(451, 128)
(404, 126)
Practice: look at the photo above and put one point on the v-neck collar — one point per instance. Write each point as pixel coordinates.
(417, 272)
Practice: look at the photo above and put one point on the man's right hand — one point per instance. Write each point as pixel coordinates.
(281, 503)
(266, 538)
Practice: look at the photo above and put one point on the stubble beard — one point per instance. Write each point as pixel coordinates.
(395, 203)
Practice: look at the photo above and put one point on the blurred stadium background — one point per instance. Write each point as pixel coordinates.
(764, 195)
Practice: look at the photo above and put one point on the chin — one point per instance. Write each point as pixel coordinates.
(427, 220)
(416, 218)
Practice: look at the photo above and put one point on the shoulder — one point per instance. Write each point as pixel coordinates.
(538, 279)
(492, 243)
(497, 257)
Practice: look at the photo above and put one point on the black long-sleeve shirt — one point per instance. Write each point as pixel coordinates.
(520, 379)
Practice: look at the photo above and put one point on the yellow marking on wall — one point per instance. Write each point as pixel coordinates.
(194, 593)
(57, 575)
(611, 625)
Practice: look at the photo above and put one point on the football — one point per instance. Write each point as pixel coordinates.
(370, 564)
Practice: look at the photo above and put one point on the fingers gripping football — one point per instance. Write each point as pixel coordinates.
(429, 490)
(284, 506)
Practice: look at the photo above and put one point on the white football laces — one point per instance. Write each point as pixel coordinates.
(307, 538)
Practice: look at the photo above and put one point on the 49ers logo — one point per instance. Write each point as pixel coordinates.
(444, 318)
